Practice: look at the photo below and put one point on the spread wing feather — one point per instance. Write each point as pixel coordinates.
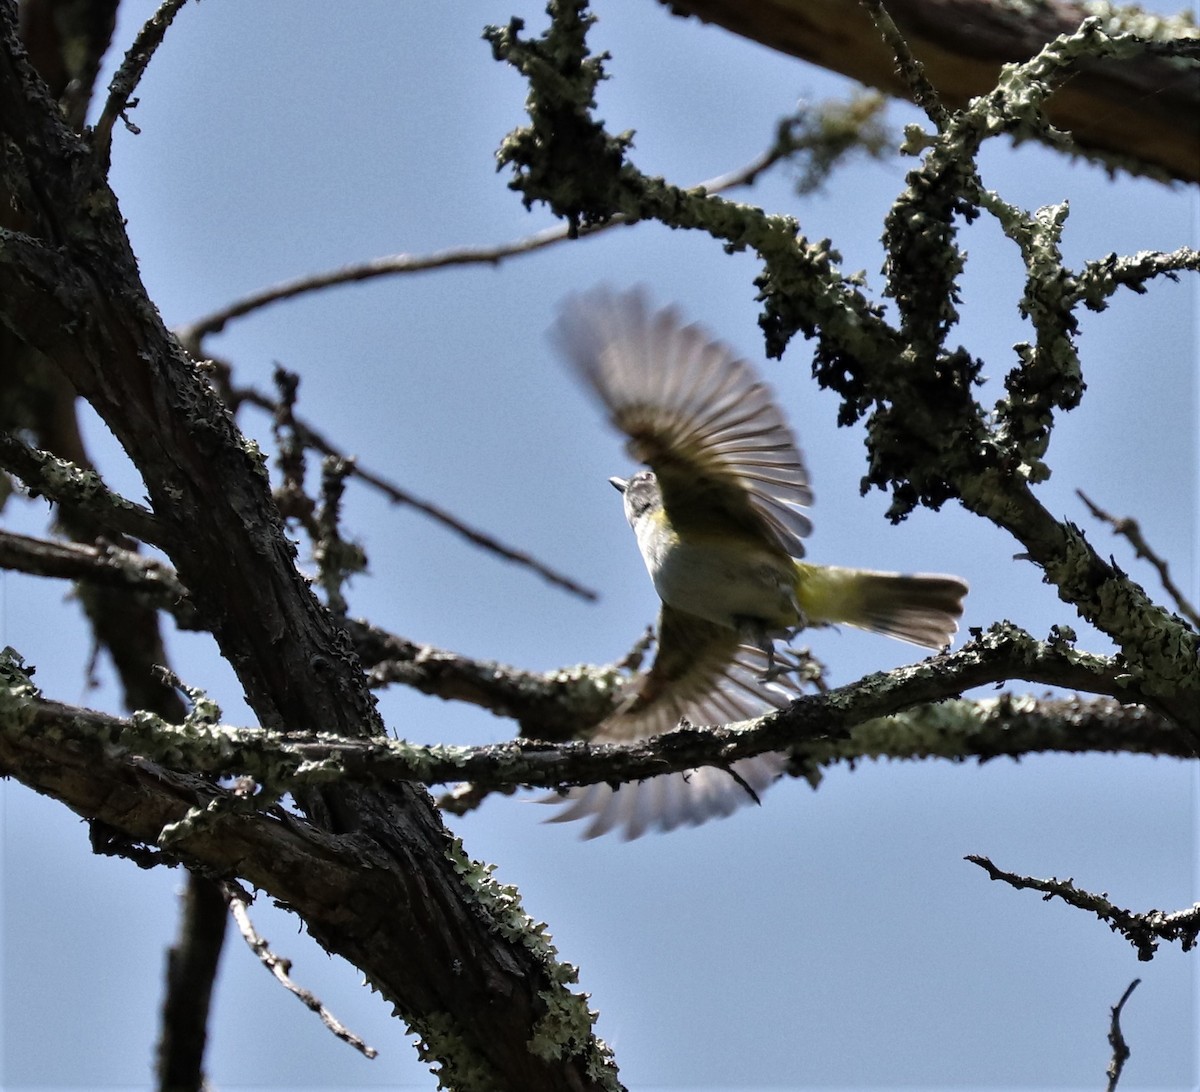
(701, 674)
(697, 414)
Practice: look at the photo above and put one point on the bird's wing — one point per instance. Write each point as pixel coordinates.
(703, 674)
(696, 413)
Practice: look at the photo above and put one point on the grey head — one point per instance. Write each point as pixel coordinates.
(641, 493)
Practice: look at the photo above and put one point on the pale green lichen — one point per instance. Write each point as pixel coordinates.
(565, 1028)
(442, 1045)
(921, 732)
(256, 455)
(502, 902)
(1127, 19)
(196, 820)
(17, 691)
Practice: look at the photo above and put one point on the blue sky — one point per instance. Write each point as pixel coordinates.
(833, 938)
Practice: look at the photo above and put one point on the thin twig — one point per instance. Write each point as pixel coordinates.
(125, 82)
(237, 900)
(193, 333)
(315, 440)
(908, 68)
(1142, 930)
(1130, 529)
(1120, 1049)
(748, 173)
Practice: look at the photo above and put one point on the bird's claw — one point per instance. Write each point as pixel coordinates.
(755, 635)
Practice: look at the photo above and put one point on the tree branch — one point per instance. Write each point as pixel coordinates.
(46, 475)
(1141, 114)
(71, 291)
(105, 565)
(280, 969)
(908, 68)
(128, 76)
(1120, 1049)
(1142, 930)
(1129, 529)
(899, 714)
(191, 972)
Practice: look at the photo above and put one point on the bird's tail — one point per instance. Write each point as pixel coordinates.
(922, 608)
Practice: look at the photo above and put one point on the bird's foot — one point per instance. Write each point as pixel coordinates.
(754, 633)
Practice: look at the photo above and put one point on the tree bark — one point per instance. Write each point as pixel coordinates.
(385, 884)
(1145, 111)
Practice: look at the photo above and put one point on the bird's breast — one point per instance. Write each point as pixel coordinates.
(724, 578)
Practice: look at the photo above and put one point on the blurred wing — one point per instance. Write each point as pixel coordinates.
(702, 673)
(696, 413)
(669, 800)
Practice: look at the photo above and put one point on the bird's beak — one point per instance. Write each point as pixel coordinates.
(618, 484)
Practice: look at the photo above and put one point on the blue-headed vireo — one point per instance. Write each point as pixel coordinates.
(719, 523)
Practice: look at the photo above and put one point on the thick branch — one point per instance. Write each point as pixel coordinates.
(1141, 114)
(487, 998)
(346, 887)
(847, 724)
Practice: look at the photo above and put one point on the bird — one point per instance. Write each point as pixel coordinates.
(719, 517)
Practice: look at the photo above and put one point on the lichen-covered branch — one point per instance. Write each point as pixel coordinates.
(1144, 930)
(45, 474)
(104, 565)
(124, 83)
(905, 714)
(1140, 114)
(929, 439)
(70, 291)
